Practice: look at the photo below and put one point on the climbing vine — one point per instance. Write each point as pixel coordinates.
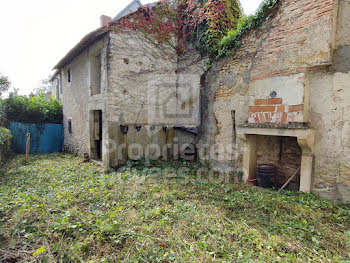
(158, 22)
(246, 23)
(214, 27)
(205, 23)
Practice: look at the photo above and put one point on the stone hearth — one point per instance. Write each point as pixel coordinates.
(248, 134)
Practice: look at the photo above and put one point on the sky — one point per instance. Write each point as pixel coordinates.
(36, 34)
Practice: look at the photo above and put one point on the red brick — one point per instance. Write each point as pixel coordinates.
(262, 108)
(268, 108)
(253, 109)
(268, 116)
(259, 102)
(281, 108)
(296, 108)
(288, 35)
(274, 101)
(284, 118)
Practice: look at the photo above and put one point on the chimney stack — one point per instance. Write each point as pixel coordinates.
(105, 20)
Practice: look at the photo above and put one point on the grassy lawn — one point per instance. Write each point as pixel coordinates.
(57, 209)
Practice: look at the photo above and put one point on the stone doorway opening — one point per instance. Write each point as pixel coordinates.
(96, 135)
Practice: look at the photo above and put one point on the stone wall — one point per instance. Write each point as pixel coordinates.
(299, 36)
(329, 107)
(56, 87)
(329, 99)
(149, 85)
(150, 91)
(142, 80)
(76, 96)
(294, 68)
(300, 54)
(145, 88)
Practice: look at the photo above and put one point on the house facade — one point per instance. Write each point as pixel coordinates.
(121, 96)
(282, 98)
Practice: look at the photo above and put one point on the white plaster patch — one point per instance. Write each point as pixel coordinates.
(289, 88)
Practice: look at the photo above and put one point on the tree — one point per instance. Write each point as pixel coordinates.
(5, 84)
(44, 87)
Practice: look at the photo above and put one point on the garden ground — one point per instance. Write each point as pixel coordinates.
(57, 209)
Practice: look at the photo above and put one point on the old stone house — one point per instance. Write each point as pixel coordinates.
(282, 98)
(119, 87)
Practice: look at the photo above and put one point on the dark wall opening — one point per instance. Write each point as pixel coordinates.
(96, 135)
(284, 153)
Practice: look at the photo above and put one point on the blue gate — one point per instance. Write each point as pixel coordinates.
(44, 138)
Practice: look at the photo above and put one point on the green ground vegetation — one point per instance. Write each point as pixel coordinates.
(57, 209)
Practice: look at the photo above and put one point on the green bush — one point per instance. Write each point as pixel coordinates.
(244, 25)
(5, 144)
(3, 119)
(37, 109)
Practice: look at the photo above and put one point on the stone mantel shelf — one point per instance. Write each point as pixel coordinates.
(301, 131)
(292, 125)
(305, 136)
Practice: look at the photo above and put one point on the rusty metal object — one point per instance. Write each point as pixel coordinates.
(265, 173)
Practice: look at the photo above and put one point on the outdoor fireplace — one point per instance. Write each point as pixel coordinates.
(249, 133)
(277, 134)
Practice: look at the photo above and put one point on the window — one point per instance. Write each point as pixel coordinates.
(95, 63)
(70, 126)
(69, 77)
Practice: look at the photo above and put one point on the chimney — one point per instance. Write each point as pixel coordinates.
(105, 20)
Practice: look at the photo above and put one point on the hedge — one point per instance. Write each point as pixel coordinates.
(36, 109)
(5, 144)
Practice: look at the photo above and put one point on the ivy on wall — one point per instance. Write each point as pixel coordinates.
(245, 23)
(214, 27)
(205, 23)
(158, 22)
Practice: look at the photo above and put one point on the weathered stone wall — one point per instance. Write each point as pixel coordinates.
(291, 54)
(76, 97)
(329, 101)
(224, 92)
(329, 107)
(343, 24)
(150, 90)
(154, 142)
(301, 54)
(145, 88)
(56, 87)
(342, 43)
(142, 80)
(299, 36)
(144, 85)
